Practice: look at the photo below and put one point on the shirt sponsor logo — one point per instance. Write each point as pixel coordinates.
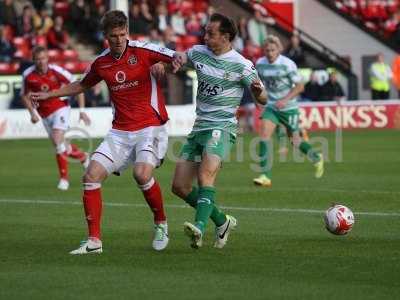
(120, 76)
(125, 85)
(44, 88)
(208, 89)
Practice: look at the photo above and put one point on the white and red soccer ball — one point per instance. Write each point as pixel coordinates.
(339, 219)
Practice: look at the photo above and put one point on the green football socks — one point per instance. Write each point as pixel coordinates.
(264, 152)
(306, 149)
(217, 216)
(205, 205)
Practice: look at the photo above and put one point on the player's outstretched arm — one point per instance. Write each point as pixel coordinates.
(71, 89)
(259, 92)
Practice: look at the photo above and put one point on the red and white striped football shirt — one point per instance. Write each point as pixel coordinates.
(136, 97)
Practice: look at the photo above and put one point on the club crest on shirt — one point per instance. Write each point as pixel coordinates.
(132, 60)
(227, 75)
(120, 76)
(44, 87)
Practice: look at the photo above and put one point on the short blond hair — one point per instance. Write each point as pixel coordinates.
(273, 39)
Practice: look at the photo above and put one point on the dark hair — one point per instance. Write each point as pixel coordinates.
(113, 19)
(226, 25)
(38, 49)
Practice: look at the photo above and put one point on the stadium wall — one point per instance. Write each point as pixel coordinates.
(15, 124)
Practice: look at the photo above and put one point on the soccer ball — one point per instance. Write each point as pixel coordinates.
(339, 219)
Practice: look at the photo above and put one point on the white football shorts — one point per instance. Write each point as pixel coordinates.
(57, 120)
(121, 149)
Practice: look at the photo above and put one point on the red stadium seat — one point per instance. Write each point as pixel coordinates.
(9, 68)
(55, 55)
(73, 67)
(70, 54)
(200, 6)
(189, 41)
(62, 9)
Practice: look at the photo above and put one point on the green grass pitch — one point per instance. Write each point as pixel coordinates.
(280, 249)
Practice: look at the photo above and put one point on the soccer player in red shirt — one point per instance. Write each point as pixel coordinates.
(138, 135)
(54, 112)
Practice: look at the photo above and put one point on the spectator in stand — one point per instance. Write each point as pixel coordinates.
(162, 19)
(295, 52)
(97, 36)
(257, 28)
(25, 26)
(7, 50)
(238, 43)
(178, 23)
(94, 97)
(42, 22)
(57, 37)
(380, 75)
(139, 19)
(396, 73)
(312, 89)
(145, 12)
(38, 4)
(204, 17)
(8, 15)
(80, 15)
(155, 37)
(169, 38)
(332, 90)
(193, 26)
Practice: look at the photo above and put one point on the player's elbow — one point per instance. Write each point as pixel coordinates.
(262, 98)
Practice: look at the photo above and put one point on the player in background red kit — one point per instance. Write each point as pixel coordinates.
(54, 112)
(138, 135)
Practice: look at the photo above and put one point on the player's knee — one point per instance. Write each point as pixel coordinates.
(91, 177)
(180, 189)
(206, 177)
(142, 175)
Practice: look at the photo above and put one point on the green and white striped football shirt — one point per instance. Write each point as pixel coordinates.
(279, 78)
(221, 82)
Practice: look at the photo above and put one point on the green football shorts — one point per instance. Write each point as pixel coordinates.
(213, 141)
(289, 118)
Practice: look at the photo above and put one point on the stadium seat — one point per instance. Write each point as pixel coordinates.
(70, 55)
(189, 41)
(9, 68)
(200, 6)
(62, 9)
(55, 55)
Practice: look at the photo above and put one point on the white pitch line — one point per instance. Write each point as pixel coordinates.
(325, 190)
(252, 209)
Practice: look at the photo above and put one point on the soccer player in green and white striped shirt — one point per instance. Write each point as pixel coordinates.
(222, 75)
(284, 84)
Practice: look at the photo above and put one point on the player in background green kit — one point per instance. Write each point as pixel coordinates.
(284, 84)
(222, 76)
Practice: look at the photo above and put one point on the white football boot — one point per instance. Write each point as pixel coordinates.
(160, 240)
(222, 232)
(88, 247)
(195, 235)
(63, 184)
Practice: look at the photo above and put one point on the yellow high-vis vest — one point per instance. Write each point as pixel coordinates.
(377, 84)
